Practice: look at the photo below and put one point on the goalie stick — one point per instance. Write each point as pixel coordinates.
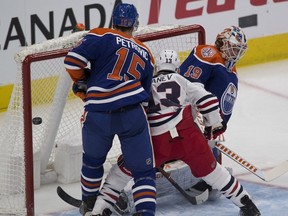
(194, 200)
(265, 175)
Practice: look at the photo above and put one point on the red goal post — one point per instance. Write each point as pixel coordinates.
(43, 89)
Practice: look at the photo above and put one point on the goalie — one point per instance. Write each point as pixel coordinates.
(175, 136)
(215, 67)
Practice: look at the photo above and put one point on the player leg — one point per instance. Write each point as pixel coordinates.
(138, 156)
(119, 174)
(96, 144)
(203, 165)
(231, 188)
(201, 185)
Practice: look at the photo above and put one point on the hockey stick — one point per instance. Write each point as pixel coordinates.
(67, 198)
(265, 175)
(194, 200)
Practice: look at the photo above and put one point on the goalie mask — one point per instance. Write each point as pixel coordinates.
(167, 60)
(125, 15)
(232, 44)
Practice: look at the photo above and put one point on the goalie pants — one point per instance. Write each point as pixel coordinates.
(131, 126)
(190, 146)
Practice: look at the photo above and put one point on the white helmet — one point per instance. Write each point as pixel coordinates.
(167, 60)
(232, 45)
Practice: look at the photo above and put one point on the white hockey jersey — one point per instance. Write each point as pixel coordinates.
(170, 94)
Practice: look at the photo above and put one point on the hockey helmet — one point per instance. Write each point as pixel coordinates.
(232, 44)
(167, 60)
(125, 15)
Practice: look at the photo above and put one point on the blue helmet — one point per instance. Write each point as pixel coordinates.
(125, 15)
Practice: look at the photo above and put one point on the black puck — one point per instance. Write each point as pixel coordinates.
(37, 120)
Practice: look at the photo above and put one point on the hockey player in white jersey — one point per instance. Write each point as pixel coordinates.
(176, 136)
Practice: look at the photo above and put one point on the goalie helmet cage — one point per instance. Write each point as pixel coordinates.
(43, 89)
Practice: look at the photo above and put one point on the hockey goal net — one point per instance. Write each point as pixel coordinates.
(44, 115)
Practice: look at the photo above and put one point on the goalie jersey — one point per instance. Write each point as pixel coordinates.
(170, 94)
(121, 69)
(206, 65)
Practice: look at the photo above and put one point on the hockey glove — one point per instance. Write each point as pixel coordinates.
(207, 132)
(80, 88)
(214, 131)
(87, 73)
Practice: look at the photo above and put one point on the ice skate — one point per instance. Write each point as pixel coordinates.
(249, 208)
(87, 205)
(200, 187)
(106, 212)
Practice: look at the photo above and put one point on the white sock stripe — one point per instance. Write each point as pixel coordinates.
(146, 187)
(145, 200)
(91, 179)
(90, 189)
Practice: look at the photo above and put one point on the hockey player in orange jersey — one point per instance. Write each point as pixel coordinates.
(215, 67)
(115, 91)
